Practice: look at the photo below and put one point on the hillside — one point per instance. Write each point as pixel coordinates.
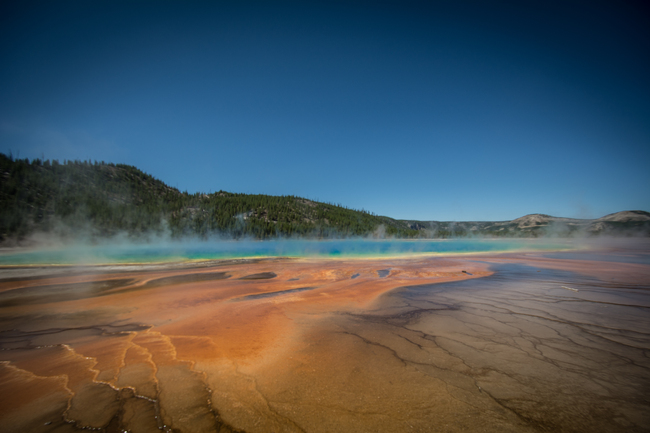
(102, 200)
(626, 223)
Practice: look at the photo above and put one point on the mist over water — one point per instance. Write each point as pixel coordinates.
(126, 252)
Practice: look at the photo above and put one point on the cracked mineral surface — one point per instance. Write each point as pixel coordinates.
(490, 343)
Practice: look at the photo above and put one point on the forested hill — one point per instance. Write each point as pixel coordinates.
(99, 200)
(96, 199)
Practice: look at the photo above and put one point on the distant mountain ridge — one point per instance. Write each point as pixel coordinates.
(626, 223)
(102, 200)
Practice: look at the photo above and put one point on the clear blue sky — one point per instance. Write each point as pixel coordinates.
(433, 111)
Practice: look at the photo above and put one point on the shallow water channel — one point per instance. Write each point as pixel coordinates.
(521, 340)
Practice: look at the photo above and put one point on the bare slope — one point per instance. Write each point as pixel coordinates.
(625, 223)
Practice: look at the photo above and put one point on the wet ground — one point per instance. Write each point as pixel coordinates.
(513, 342)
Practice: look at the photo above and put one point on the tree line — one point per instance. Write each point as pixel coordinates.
(105, 199)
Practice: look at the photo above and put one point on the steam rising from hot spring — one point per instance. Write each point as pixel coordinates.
(174, 251)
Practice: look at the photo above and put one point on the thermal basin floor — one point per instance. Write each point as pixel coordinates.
(496, 343)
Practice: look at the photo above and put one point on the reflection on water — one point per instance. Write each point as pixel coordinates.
(272, 294)
(383, 273)
(496, 345)
(561, 361)
(510, 352)
(630, 257)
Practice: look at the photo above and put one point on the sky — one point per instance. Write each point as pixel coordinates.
(449, 111)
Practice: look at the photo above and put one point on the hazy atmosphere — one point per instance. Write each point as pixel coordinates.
(413, 110)
(324, 216)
